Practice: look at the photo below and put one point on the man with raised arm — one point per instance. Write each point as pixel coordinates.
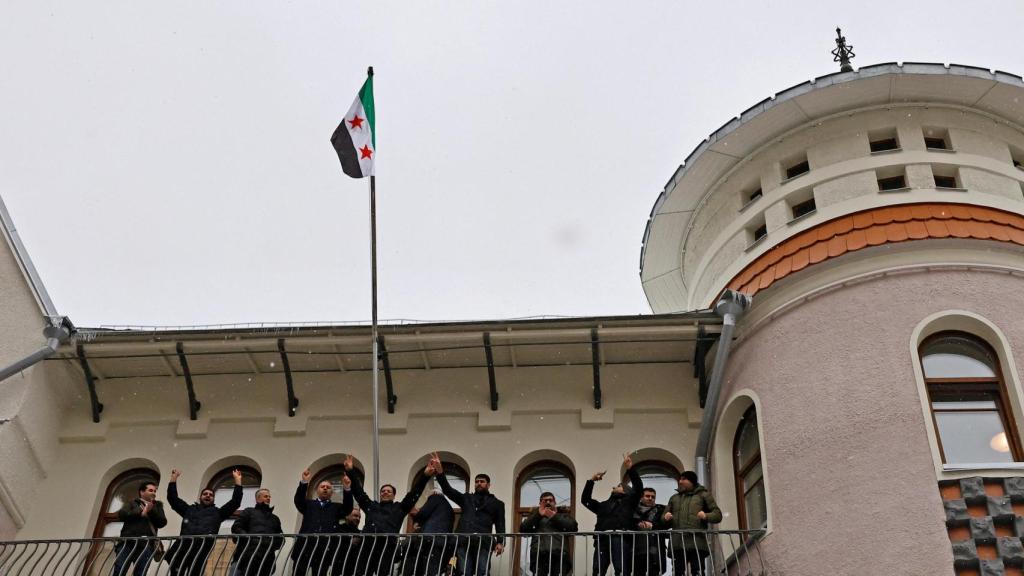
(201, 520)
(480, 511)
(613, 515)
(383, 517)
(314, 551)
(257, 526)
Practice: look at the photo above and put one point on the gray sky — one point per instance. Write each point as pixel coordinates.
(169, 163)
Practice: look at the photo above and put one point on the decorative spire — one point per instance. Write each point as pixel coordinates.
(843, 52)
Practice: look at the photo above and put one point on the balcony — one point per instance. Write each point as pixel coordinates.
(654, 553)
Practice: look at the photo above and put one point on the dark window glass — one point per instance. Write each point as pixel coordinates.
(804, 208)
(935, 143)
(892, 183)
(760, 232)
(884, 144)
(755, 195)
(750, 494)
(798, 169)
(945, 181)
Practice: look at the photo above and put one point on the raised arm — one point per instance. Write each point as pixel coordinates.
(346, 504)
(452, 494)
(177, 504)
(417, 490)
(587, 498)
(300, 492)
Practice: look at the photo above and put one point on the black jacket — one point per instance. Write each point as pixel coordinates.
(436, 516)
(480, 510)
(198, 519)
(386, 517)
(615, 513)
(557, 524)
(257, 521)
(135, 524)
(317, 517)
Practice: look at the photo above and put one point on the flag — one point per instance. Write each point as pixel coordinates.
(355, 138)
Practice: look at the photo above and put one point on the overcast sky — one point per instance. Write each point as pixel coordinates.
(169, 163)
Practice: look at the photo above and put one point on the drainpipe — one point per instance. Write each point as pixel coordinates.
(56, 334)
(730, 307)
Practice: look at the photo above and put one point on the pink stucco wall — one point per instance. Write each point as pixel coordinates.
(853, 486)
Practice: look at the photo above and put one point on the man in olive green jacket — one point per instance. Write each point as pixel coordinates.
(691, 508)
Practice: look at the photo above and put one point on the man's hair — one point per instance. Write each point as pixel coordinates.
(484, 476)
(393, 489)
(262, 490)
(689, 475)
(651, 490)
(544, 495)
(145, 484)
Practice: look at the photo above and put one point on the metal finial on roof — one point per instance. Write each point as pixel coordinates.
(843, 52)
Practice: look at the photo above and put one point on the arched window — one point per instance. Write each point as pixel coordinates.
(223, 485)
(659, 475)
(750, 495)
(123, 488)
(968, 400)
(544, 476)
(333, 474)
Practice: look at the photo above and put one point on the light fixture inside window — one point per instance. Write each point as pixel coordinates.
(999, 443)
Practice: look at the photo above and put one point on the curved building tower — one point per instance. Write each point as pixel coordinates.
(869, 416)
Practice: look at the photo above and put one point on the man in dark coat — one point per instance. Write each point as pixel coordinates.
(692, 508)
(431, 552)
(142, 516)
(255, 550)
(480, 511)
(314, 551)
(187, 556)
(549, 550)
(614, 514)
(346, 558)
(649, 558)
(383, 517)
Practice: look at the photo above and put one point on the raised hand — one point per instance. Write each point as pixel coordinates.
(429, 470)
(627, 460)
(435, 461)
(346, 482)
(348, 462)
(175, 474)
(306, 474)
(598, 476)
(237, 474)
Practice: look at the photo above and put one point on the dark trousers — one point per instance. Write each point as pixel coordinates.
(689, 559)
(648, 555)
(260, 562)
(428, 556)
(137, 552)
(550, 563)
(611, 550)
(187, 557)
(377, 555)
(474, 553)
(313, 554)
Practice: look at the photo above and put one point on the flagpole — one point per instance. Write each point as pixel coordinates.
(373, 282)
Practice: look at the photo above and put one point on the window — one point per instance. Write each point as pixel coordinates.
(798, 168)
(223, 485)
(945, 181)
(661, 476)
(750, 494)
(936, 139)
(968, 400)
(883, 141)
(803, 208)
(892, 183)
(755, 234)
(754, 195)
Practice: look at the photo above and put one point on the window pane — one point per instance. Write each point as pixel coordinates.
(748, 444)
(752, 477)
(973, 437)
(546, 480)
(128, 490)
(663, 482)
(977, 405)
(112, 530)
(957, 357)
(757, 512)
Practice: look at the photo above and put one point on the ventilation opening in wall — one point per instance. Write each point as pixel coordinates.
(937, 139)
(892, 179)
(883, 141)
(750, 195)
(801, 205)
(946, 177)
(797, 166)
(756, 232)
(1017, 157)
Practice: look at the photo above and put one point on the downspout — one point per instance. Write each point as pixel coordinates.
(55, 336)
(730, 307)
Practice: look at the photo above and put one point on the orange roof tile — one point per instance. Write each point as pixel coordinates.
(876, 227)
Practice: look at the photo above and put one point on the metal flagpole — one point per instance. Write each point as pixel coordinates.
(373, 282)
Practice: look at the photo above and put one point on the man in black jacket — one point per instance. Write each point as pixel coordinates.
(383, 517)
(142, 516)
(187, 556)
(649, 549)
(255, 551)
(614, 514)
(431, 552)
(549, 550)
(319, 516)
(480, 511)
(346, 559)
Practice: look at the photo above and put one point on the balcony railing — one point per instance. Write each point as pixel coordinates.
(650, 553)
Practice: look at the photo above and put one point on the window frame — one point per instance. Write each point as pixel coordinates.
(740, 471)
(995, 385)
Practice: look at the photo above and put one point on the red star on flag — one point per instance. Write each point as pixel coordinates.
(365, 152)
(356, 122)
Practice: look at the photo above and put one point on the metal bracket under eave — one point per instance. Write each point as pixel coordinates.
(700, 365)
(595, 359)
(90, 381)
(193, 404)
(293, 402)
(389, 385)
(490, 371)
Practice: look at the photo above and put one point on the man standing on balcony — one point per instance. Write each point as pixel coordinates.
(430, 554)
(383, 517)
(649, 548)
(692, 508)
(613, 515)
(313, 550)
(550, 549)
(480, 511)
(141, 517)
(347, 558)
(187, 556)
(254, 552)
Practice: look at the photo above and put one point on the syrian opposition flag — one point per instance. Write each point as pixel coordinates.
(355, 138)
